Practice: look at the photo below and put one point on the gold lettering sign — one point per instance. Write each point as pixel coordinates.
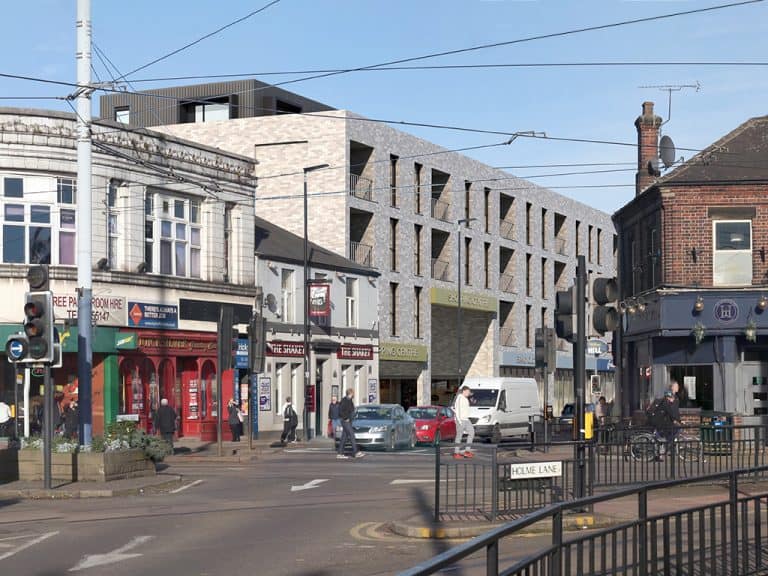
(168, 343)
(469, 300)
(397, 352)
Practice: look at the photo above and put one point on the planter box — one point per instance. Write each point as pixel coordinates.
(86, 466)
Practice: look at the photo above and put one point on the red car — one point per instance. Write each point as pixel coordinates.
(433, 424)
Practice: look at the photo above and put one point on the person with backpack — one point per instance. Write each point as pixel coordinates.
(664, 416)
(290, 422)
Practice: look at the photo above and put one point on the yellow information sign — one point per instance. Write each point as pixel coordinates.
(469, 300)
(397, 352)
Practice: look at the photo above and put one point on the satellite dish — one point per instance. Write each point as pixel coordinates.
(653, 167)
(667, 151)
(271, 302)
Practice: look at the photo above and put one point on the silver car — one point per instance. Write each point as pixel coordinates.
(382, 425)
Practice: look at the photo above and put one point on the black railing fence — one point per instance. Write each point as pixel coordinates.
(723, 537)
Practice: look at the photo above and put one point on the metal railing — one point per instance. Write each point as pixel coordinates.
(507, 229)
(507, 283)
(441, 269)
(724, 537)
(360, 187)
(361, 253)
(440, 209)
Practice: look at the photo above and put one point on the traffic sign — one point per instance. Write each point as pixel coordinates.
(16, 349)
(596, 346)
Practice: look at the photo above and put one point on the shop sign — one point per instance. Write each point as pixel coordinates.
(180, 344)
(355, 352)
(105, 310)
(319, 300)
(469, 300)
(397, 352)
(726, 311)
(241, 355)
(153, 315)
(265, 394)
(518, 358)
(126, 340)
(285, 349)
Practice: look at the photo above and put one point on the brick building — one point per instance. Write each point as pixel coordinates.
(391, 201)
(693, 273)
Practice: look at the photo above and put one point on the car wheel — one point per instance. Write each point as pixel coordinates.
(392, 443)
(412, 440)
(436, 441)
(496, 435)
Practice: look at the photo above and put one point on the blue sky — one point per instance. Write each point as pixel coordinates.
(591, 103)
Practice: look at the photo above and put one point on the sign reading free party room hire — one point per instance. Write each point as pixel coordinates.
(535, 470)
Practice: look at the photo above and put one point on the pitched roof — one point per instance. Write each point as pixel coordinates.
(279, 244)
(739, 156)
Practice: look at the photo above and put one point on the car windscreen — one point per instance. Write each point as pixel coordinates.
(373, 414)
(423, 413)
(484, 398)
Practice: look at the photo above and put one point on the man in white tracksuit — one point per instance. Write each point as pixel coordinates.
(463, 425)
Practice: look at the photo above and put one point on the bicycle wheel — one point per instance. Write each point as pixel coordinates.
(690, 450)
(642, 447)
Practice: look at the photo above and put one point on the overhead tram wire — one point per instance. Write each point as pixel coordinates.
(504, 43)
(198, 40)
(255, 75)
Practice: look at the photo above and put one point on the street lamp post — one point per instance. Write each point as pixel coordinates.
(307, 371)
(461, 222)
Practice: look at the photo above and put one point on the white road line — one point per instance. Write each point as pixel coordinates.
(117, 555)
(182, 488)
(398, 481)
(27, 544)
(309, 485)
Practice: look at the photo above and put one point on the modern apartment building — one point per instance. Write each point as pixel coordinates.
(393, 202)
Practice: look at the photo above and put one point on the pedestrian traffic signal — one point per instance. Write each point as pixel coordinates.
(38, 326)
(256, 344)
(605, 317)
(565, 301)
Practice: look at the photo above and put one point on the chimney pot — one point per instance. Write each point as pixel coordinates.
(647, 108)
(647, 125)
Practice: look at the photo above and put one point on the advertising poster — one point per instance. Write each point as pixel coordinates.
(319, 300)
(373, 391)
(265, 394)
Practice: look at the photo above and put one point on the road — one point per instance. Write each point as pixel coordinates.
(299, 512)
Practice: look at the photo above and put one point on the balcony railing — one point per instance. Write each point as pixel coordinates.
(440, 209)
(561, 246)
(507, 283)
(507, 336)
(361, 253)
(360, 187)
(441, 270)
(507, 229)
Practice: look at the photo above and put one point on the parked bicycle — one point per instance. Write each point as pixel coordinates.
(648, 446)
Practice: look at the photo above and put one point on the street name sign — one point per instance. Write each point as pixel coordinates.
(535, 470)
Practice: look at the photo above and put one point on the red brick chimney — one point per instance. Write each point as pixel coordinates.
(647, 146)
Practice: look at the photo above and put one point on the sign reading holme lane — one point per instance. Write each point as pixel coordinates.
(469, 300)
(535, 470)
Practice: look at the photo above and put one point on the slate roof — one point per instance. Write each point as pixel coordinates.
(277, 243)
(740, 156)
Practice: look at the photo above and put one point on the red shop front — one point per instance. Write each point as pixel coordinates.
(179, 366)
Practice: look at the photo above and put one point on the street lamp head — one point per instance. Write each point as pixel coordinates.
(315, 167)
(466, 221)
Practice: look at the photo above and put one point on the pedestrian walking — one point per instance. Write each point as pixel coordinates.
(233, 418)
(69, 420)
(463, 424)
(165, 422)
(347, 413)
(601, 411)
(290, 422)
(334, 416)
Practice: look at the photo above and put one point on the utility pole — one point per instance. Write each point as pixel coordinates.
(84, 224)
(579, 370)
(459, 318)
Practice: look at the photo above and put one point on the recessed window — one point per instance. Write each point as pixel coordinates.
(180, 246)
(66, 190)
(208, 111)
(123, 115)
(732, 257)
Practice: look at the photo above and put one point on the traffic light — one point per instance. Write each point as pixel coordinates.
(565, 306)
(256, 344)
(605, 317)
(38, 326)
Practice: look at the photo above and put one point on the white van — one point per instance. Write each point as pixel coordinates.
(502, 407)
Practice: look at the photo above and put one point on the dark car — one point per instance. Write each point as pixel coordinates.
(433, 424)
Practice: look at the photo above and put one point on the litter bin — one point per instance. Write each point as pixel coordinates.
(717, 436)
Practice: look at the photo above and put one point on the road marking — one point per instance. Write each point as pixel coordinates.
(412, 481)
(309, 485)
(26, 544)
(182, 488)
(117, 555)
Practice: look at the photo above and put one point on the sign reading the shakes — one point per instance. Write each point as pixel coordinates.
(535, 470)
(285, 349)
(469, 300)
(355, 352)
